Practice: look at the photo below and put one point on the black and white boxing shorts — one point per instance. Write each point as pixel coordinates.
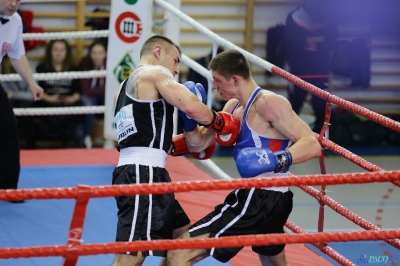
(246, 212)
(150, 217)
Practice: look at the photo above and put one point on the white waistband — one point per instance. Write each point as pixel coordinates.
(272, 174)
(142, 156)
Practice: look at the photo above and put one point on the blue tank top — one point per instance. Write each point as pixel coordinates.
(248, 138)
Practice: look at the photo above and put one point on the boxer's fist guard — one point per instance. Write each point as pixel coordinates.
(179, 147)
(251, 162)
(226, 126)
(198, 90)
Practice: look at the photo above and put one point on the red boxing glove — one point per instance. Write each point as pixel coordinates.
(226, 126)
(179, 147)
(206, 154)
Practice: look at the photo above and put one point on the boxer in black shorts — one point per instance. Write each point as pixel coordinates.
(246, 212)
(144, 106)
(271, 138)
(136, 213)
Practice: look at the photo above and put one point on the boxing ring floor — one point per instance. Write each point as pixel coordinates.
(46, 222)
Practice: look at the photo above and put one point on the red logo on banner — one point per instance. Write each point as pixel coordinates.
(128, 27)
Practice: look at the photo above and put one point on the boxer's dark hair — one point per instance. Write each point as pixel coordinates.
(158, 40)
(229, 63)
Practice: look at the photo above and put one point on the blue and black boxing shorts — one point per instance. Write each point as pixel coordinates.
(246, 212)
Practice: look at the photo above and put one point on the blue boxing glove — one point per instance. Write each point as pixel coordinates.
(198, 90)
(251, 162)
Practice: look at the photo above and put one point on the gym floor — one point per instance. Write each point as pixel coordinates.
(46, 222)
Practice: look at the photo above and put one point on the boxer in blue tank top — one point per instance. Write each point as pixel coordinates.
(271, 138)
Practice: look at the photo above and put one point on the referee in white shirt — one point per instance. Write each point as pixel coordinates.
(11, 44)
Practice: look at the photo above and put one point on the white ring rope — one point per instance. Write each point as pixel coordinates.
(196, 66)
(66, 35)
(58, 75)
(216, 171)
(75, 110)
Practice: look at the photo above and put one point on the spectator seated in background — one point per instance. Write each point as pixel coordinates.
(60, 93)
(217, 103)
(93, 89)
(99, 23)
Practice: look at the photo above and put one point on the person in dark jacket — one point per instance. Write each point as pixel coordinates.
(310, 39)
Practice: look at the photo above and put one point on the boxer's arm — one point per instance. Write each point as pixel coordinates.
(224, 132)
(278, 111)
(199, 139)
(228, 132)
(226, 127)
(180, 97)
(180, 147)
(187, 122)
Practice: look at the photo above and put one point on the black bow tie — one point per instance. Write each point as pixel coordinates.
(4, 20)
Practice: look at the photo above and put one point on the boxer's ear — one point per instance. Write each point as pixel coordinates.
(157, 51)
(235, 80)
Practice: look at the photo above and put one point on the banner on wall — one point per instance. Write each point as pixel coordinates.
(130, 26)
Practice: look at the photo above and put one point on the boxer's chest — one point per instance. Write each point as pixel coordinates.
(257, 123)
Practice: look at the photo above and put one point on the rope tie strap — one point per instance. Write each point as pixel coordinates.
(77, 222)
